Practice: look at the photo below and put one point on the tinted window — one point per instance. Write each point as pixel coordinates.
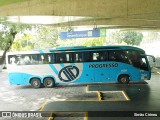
(46, 58)
(95, 56)
(118, 56)
(137, 60)
(63, 57)
(99, 56)
(87, 57)
(78, 57)
(30, 59)
(13, 59)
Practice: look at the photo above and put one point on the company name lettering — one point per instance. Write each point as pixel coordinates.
(112, 65)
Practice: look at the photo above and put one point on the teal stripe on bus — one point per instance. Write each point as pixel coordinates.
(41, 51)
(62, 65)
(53, 68)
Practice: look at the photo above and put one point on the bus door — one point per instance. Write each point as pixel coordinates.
(102, 74)
(85, 59)
(99, 65)
(88, 74)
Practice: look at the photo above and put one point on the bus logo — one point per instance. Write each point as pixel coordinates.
(68, 73)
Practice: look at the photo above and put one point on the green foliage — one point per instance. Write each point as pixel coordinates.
(117, 36)
(26, 42)
(38, 37)
(5, 38)
(132, 38)
(46, 36)
(95, 42)
(16, 46)
(8, 32)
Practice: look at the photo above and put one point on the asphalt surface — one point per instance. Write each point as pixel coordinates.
(26, 98)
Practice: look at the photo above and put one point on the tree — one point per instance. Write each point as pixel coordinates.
(46, 36)
(23, 43)
(132, 38)
(8, 32)
(39, 37)
(95, 42)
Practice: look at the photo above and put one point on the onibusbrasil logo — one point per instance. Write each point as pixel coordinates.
(68, 73)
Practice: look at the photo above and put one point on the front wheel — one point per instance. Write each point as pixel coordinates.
(123, 79)
(49, 82)
(36, 83)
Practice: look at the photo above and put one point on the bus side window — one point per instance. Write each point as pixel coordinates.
(45, 59)
(49, 58)
(18, 60)
(95, 56)
(100, 56)
(88, 57)
(12, 60)
(59, 58)
(27, 60)
(68, 57)
(118, 56)
(111, 56)
(41, 59)
(104, 56)
(52, 58)
(77, 57)
(64, 57)
(34, 59)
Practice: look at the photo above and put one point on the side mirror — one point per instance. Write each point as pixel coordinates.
(154, 60)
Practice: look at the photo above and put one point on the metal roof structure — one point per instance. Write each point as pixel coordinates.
(130, 14)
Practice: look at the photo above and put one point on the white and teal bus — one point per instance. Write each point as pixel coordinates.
(74, 65)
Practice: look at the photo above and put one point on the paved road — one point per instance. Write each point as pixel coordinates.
(26, 98)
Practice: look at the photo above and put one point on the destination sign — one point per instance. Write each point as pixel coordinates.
(83, 34)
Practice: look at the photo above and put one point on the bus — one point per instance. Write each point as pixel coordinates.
(78, 65)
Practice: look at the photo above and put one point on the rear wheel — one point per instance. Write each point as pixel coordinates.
(123, 79)
(36, 83)
(49, 82)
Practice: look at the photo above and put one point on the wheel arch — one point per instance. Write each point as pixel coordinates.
(122, 75)
(48, 77)
(31, 78)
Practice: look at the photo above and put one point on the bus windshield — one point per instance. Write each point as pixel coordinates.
(137, 60)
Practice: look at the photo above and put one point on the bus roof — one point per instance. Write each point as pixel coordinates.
(72, 48)
(76, 48)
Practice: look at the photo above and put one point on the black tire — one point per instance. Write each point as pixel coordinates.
(49, 82)
(36, 83)
(123, 79)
